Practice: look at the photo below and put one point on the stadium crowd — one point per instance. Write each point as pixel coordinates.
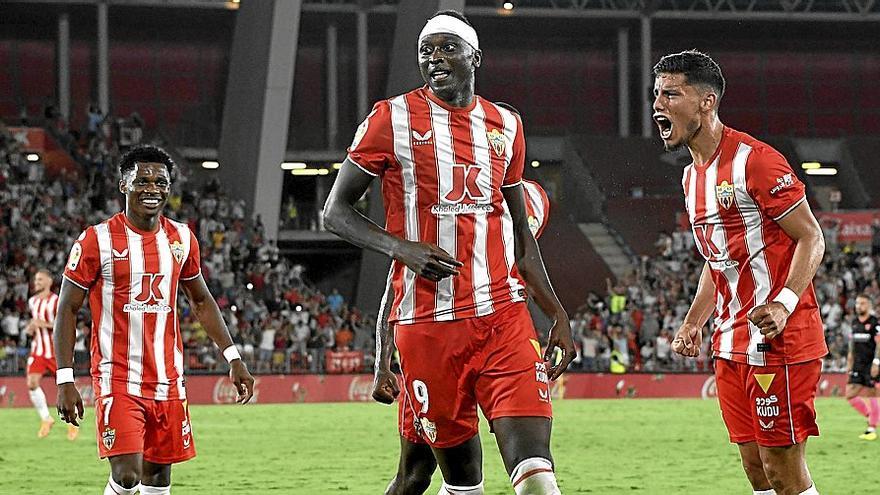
(280, 320)
(282, 323)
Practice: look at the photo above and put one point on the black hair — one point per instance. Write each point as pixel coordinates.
(145, 153)
(696, 66)
(453, 13)
(864, 295)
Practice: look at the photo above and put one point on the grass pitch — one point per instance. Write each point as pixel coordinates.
(601, 446)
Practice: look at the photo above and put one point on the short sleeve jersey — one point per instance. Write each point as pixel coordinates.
(132, 278)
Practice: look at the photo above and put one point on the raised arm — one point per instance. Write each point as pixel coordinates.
(531, 267)
(205, 308)
(69, 403)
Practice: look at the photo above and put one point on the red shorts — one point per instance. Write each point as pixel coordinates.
(773, 405)
(160, 429)
(451, 367)
(41, 365)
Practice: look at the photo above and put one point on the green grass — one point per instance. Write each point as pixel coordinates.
(601, 446)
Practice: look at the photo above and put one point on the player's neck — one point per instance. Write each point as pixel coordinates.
(864, 318)
(145, 223)
(460, 97)
(706, 140)
(43, 294)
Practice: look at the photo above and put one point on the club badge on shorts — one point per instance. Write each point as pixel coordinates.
(108, 438)
(429, 429)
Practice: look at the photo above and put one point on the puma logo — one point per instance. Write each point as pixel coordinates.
(422, 138)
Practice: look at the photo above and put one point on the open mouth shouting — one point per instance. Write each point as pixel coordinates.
(664, 124)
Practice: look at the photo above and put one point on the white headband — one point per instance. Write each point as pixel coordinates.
(450, 25)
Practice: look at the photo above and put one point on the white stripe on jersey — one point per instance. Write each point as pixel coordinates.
(534, 198)
(105, 337)
(185, 237)
(480, 273)
(403, 152)
(166, 266)
(447, 231)
(753, 221)
(719, 239)
(135, 318)
(691, 193)
(40, 307)
(507, 236)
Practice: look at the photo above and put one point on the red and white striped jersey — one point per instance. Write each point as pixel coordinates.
(132, 277)
(442, 170)
(537, 206)
(43, 308)
(734, 202)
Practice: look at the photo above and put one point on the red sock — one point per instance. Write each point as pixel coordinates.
(859, 405)
(874, 415)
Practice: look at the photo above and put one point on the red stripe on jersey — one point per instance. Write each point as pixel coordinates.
(172, 325)
(148, 286)
(427, 187)
(463, 149)
(498, 267)
(121, 289)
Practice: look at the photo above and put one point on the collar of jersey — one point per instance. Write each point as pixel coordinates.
(137, 230)
(446, 106)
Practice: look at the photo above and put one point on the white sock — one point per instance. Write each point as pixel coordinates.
(38, 399)
(155, 490)
(534, 476)
(810, 491)
(764, 492)
(113, 488)
(461, 490)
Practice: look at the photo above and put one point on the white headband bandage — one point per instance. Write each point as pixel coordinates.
(447, 24)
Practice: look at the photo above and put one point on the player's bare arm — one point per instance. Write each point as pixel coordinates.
(875, 364)
(803, 228)
(689, 337)
(205, 308)
(385, 386)
(341, 218)
(69, 403)
(531, 267)
(849, 357)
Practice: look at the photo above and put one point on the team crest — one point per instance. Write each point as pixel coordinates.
(429, 429)
(496, 140)
(724, 193)
(177, 251)
(108, 438)
(75, 255)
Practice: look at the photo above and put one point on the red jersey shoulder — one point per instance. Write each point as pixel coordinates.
(770, 179)
(372, 146)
